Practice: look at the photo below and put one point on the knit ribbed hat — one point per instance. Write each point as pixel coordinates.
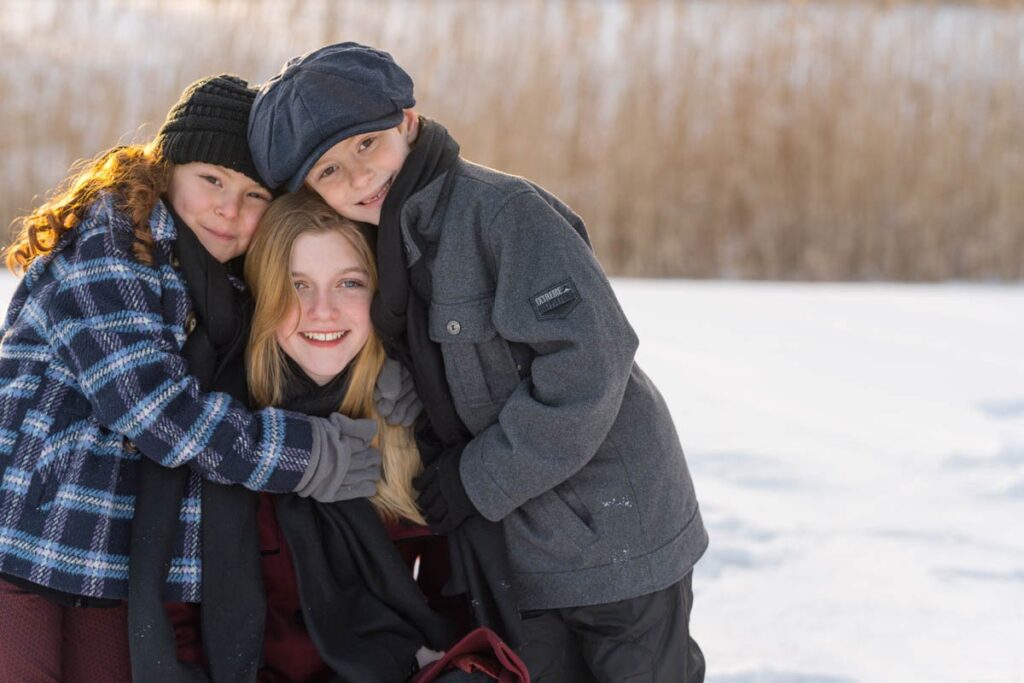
(208, 124)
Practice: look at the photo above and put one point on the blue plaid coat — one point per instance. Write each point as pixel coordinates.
(92, 379)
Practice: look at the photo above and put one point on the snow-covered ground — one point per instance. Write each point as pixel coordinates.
(858, 451)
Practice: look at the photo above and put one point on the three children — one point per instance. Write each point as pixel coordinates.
(537, 416)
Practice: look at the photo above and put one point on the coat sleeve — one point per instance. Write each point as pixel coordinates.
(551, 294)
(107, 326)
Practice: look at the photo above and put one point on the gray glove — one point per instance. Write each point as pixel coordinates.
(342, 465)
(395, 396)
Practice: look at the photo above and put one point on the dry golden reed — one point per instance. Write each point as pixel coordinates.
(773, 140)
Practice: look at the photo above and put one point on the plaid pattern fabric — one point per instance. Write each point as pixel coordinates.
(92, 379)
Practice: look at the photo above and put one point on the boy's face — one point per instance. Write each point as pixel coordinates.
(354, 176)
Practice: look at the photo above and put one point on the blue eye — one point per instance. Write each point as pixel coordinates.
(350, 284)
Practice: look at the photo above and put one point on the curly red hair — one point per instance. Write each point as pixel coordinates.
(136, 175)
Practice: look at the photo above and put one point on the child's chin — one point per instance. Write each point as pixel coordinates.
(362, 215)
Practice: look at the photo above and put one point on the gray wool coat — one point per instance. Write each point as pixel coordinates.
(574, 449)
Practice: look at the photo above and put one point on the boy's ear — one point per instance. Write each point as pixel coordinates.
(409, 125)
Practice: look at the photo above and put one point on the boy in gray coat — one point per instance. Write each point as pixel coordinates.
(524, 361)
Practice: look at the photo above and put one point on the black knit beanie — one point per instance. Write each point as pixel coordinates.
(208, 124)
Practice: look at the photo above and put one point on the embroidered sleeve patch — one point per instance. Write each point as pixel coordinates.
(555, 303)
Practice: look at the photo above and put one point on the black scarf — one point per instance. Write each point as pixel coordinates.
(400, 313)
(362, 608)
(233, 605)
(302, 395)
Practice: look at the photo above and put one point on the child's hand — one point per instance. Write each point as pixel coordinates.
(425, 656)
(443, 498)
(343, 465)
(395, 395)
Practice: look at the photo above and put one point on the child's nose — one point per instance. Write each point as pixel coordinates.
(228, 206)
(361, 177)
(323, 306)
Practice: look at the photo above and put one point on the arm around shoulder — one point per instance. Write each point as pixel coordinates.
(112, 324)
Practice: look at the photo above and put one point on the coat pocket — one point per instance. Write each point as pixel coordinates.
(53, 462)
(480, 366)
(80, 454)
(556, 522)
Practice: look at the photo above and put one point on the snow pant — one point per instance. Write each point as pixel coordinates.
(639, 640)
(43, 642)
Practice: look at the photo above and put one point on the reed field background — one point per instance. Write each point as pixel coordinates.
(749, 140)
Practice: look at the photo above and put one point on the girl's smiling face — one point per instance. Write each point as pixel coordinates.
(329, 320)
(221, 206)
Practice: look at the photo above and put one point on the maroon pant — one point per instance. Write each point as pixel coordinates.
(43, 642)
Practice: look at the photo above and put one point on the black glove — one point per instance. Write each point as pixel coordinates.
(442, 498)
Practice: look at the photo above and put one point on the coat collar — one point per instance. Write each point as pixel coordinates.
(422, 214)
(161, 223)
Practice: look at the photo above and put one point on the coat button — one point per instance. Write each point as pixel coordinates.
(130, 446)
(175, 263)
(453, 327)
(190, 323)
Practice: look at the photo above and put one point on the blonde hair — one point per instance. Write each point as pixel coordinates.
(136, 175)
(268, 273)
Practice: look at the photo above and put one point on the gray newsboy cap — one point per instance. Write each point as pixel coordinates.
(320, 99)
